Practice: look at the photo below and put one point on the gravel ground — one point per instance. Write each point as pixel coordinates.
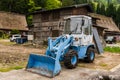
(66, 74)
(84, 71)
(14, 53)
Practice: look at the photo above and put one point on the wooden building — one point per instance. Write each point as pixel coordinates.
(12, 21)
(46, 21)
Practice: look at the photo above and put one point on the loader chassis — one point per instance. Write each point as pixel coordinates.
(76, 43)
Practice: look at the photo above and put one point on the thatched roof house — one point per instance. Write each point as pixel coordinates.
(105, 22)
(10, 21)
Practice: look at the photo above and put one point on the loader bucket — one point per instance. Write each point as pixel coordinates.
(44, 65)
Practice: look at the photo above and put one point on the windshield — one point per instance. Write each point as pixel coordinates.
(67, 26)
(73, 26)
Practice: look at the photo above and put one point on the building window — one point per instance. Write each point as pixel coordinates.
(45, 16)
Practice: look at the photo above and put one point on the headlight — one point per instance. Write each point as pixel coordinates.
(76, 39)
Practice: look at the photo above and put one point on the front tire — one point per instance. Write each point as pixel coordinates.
(90, 55)
(71, 59)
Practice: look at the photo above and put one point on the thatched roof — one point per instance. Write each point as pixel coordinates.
(11, 21)
(106, 22)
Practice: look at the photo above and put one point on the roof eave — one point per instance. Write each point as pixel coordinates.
(99, 26)
(67, 7)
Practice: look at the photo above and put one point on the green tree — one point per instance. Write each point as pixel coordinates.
(6, 5)
(32, 6)
(98, 8)
(102, 9)
(111, 10)
(81, 1)
(67, 2)
(118, 17)
(1, 33)
(19, 6)
(40, 3)
(52, 4)
(94, 6)
(14, 31)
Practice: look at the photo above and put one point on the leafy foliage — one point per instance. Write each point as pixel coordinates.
(1, 34)
(118, 16)
(101, 9)
(15, 31)
(94, 5)
(32, 6)
(52, 4)
(67, 2)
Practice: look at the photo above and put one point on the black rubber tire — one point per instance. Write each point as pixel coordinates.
(88, 54)
(67, 59)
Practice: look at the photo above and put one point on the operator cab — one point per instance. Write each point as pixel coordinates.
(77, 25)
(80, 27)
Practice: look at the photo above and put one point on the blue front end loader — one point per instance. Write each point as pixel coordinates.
(75, 44)
(49, 64)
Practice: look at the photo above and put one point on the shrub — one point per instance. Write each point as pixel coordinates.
(5, 36)
(15, 31)
(1, 33)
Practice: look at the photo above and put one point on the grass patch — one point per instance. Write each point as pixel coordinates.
(103, 64)
(112, 49)
(2, 41)
(7, 43)
(9, 67)
(18, 67)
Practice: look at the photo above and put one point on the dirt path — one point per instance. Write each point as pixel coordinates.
(14, 48)
(13, 54)
(74, 74)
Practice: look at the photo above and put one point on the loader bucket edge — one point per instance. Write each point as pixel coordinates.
(43, 64)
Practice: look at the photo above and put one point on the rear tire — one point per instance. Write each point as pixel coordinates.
(71, 59)
(90, 55)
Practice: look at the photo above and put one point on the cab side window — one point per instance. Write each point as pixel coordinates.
(86, 27)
